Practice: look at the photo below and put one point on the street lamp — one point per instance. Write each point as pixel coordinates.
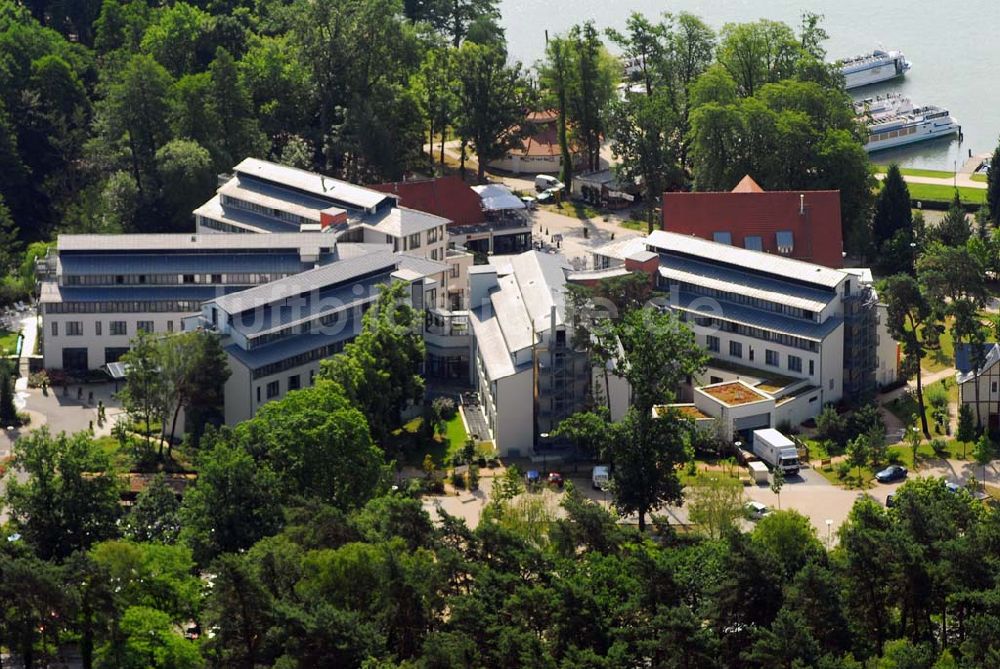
(829, 526)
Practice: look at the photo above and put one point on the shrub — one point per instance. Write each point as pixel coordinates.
(939, 446)
(843, 469)
(457, 480)
(445, 408)
(473, 477)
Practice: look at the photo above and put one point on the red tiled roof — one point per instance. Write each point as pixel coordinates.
(448, 197)
(747, 212)
(748, 185)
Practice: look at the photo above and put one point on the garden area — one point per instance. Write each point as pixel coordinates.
(8, 341)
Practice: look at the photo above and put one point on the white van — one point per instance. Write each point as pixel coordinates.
(546, 182)
(600, 477)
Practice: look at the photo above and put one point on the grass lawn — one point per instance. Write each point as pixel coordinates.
(632, 224)
(575, 209)
(945, 194)
(8, 342)
(916, 172)
(412, 446)
(982, 178)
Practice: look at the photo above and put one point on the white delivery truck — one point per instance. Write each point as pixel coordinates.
(776, 450)
(600, 476)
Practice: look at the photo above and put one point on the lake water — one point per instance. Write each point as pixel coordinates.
(950, 46)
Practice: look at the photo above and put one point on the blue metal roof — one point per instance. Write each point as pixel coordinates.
(289, 348)
(308, 306)
(139, 293)
(758, 318)
(194, 263)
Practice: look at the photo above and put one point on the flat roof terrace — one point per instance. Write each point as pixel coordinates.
(733, 393)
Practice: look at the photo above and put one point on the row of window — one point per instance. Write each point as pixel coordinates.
(301, 359)
(280, 214)
(771, 358)
(124, 307)
(115, 328)
(757, 333)
(231, 278)
(739, 298)
(273, 388)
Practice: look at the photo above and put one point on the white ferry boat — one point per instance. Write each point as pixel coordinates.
(880, 104)
(873, 67)
(902, 123)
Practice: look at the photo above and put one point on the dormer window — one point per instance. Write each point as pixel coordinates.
(785, 241)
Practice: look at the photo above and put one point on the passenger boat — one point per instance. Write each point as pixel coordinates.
(899, 122)
(872, 68)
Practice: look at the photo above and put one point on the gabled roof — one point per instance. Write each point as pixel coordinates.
(752, 217)
(448, 197)
(964, 363)
(400, 222)
(748, 185)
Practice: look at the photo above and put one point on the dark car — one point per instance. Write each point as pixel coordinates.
(891, 473)
(556, 479)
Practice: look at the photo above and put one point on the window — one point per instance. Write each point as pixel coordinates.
(413, 241)
(294, 382)
(144, 326)
(273, 388)
(114, 354)
(55, 329)
(712, 343)
(188, 278)
(312, 377)
(753, 242)
(751, 354)
(97, 328)
(74, 328)
(771, 358)
(794, 363)
(118, 328)
(560, 338)
(258, 393)
(722, 237)
(455, 271)
(847, 288)
(736, 349)
(216, 278)
(812, 367)
(170, 326)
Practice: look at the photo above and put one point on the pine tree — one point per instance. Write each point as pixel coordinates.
(892, 208)
(993, 187)
(8, 412)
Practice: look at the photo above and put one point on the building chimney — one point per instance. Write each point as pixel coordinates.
(802, 204)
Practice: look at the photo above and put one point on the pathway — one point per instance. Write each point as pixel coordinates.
(894, 425)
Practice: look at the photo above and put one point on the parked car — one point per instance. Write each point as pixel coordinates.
(546, 182)
(952, 486)
(555, 479)
(756, 510)
(891, 473)
(600, 476)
